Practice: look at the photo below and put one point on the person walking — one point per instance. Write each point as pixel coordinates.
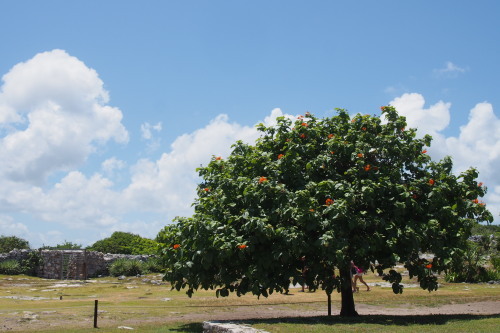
(357, 273)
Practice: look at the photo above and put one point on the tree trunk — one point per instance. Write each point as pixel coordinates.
(329, 300)
(347, 309)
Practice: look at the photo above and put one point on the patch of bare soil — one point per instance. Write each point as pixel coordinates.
(245, 313)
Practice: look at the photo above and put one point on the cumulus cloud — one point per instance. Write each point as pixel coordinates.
(169, 183)
(430, 121)
(10, 227)
(62, 133)
(54, 113)
(477, 145)
(112, 164)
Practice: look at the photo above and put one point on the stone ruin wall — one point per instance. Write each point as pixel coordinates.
(71, 264)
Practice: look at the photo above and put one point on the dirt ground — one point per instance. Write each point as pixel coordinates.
(244, 313)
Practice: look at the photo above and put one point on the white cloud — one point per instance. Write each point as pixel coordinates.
(53, 113)
(168, 184)
(112, 164)
(450, 70)
(54, 110)
(430, 121)
(11, 228)
(146, 130)
(478, 144)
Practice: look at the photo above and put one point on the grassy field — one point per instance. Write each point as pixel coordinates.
(148, 305)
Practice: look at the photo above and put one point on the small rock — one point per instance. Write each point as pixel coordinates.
(125, 328)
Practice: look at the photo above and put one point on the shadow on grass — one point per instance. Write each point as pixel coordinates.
(369, 319)
(187, 328)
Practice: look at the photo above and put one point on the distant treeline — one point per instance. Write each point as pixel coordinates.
(118, 243)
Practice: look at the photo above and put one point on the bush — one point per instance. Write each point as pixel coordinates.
(154, 265)
(492, 275)
(127, 267)
(28, 266)
(472, 265)
(31, 263)
(495, 262)
(10, 267)
(9, 243)
(125, 243)
(64, 246)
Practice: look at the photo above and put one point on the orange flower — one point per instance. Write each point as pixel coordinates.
(382, 108)
(206, 189)
(262, 179)
(176, 246)
(368, 167)
(330, 136)
(242, 246)
(218, 158)
(329, 201)
(332, 152)
(424, 151)
(475, 201)
(402, 129)
(429, 266)
(303, 136)
(353, 120)
(300, 117)
(363, 128)
(480, 184)
(482, 204)
(311, 210)
(414, 196)
(360, 155)
(431, 181)
(280, 156)
(304, 124)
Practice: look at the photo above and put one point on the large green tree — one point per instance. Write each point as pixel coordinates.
(320, 193)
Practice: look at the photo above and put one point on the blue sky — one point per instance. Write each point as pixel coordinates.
(106, 107)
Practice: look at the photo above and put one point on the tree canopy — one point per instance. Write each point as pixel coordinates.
(9, 243)
(321, 193)
(125, 243)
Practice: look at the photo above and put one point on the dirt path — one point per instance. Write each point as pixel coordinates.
(244, 313)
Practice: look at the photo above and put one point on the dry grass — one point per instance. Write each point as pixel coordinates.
(136, 302)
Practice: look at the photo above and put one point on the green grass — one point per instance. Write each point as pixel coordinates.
(142, 305)
(382, 323)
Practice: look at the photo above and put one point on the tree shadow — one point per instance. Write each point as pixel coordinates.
(436, 319)
(187, 328)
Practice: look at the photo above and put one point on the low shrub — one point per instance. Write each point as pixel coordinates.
(127, 267)
(10, 267)
(31, 263)
(153, 265)
(495, 262)
(492, 275)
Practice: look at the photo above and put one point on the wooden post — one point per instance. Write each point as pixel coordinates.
(95, 313)
(329, 305)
